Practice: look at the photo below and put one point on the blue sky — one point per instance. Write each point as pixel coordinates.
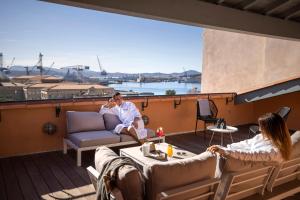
(71, 36)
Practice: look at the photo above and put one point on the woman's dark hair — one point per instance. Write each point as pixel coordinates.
(274, 128)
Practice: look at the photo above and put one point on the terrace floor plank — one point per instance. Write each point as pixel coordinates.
(72, 163)
(54, 175)
(63, 179)
(13, 190)
(87, 190)
(37, 178)
(2, 185)
(25, 182)
(56, 190)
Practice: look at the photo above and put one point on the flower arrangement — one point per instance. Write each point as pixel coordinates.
(160, 132)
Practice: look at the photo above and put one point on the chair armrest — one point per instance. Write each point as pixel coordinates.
(198, 189)
(115, 194)
(94, 175)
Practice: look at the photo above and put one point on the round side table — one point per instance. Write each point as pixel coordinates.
(229, 130)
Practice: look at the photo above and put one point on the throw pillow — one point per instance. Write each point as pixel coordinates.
(111, 121)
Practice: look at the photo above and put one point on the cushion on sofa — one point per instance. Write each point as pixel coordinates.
(128, 138)
(167, 175)
(84, 121)
(129, 178)
(93, 138)
(111, 121)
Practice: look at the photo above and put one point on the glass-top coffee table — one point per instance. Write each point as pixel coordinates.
(136, 154)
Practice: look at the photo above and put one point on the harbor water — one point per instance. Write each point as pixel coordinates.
(158, 88)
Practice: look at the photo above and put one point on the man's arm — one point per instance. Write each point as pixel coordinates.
(109, 107)
(135, 111)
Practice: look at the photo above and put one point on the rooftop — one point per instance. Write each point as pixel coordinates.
(77, 87)
(66, 86)
(10, 84)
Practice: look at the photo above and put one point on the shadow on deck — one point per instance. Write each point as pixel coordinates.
(54, 175)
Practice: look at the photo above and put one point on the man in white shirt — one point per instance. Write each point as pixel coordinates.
(129, 115)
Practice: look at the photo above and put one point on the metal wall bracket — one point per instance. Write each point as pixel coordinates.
(229, 99)
(144, 104)
(177, 103)
(57, 110)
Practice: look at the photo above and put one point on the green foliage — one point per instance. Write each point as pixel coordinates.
(170, 92)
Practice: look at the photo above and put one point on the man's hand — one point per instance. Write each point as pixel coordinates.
(216, 149)
(110, 104)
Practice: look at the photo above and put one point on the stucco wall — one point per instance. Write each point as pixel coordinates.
(273, 104)
(235, 62)
(21, 126)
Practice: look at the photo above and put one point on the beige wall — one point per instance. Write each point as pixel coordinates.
(235, 62)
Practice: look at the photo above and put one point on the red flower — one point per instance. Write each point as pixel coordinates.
(160, 132)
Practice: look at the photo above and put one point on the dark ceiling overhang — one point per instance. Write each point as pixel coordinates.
(278, 18)
(270, 91)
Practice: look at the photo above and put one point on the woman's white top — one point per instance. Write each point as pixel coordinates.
(257, 148)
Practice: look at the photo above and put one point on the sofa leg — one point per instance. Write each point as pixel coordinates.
(78, 158)
(65, 147)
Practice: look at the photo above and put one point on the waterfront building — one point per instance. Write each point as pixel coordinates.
(37, 79)
(27, 79)
(11, 92)
(67, 91)
(33, 91)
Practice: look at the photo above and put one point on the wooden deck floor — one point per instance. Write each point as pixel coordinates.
(55, 175)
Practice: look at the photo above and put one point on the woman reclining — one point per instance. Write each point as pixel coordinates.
(273, 144)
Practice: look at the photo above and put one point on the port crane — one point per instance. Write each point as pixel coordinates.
(102, 71)
(6, 69)
(1, 60)
(38, 65)
(72, 77)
